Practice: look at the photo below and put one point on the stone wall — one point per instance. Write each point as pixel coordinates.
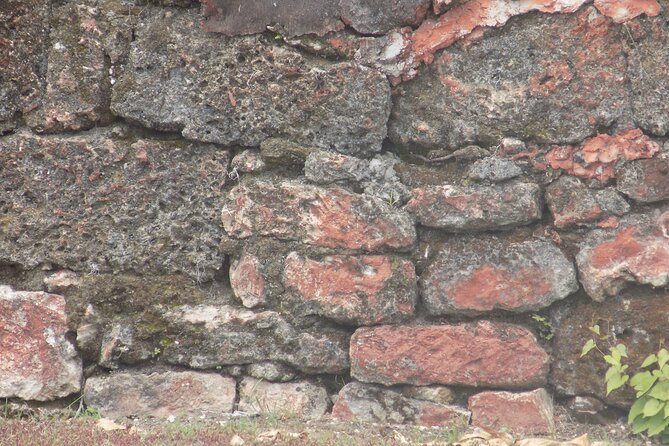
(398, 211)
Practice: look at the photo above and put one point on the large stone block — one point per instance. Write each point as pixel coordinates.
(369, 403)
(207, 336)
(477, 274)
(361, 290)
(476, 208)
(160, 394)
(481, 354)
(523, 413)
(106, 200)
(37, 361)
(637, 252)
(245, 90)
(299, 398)
(512, 81)
(328, 217)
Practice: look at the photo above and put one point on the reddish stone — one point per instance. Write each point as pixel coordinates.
(481, 354)
(522, 413)
(328, 217)
(247, 280)
(359, 290)
(370, 403)
(477, 207)
(38, 361)
(597, 156)
(623, 10)
(299, 398)
(179, 394)
(478, 274)
(645, 180)
(637, 252)
(61, 281)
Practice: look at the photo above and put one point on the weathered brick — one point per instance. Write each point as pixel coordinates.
(370, 403)
(476, 208)
(329, 217)
(523, 413)
(360, 290)
(478, 274)
(38, 361)
(481, 354)
(161, 395)
(637, 252)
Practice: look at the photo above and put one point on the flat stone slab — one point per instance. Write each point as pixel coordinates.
(478, 354)
(38, 361)
(160, 395)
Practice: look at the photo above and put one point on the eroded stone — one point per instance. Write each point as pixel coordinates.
(362, 290)
(328, 217)
(522, 413)
(479, 274)
(623, 10)
(248, 281)
(38, 361)
(299, 398)
(479, 207)
(646, 181)
(370, 403)
(481, 354)
(161, 395)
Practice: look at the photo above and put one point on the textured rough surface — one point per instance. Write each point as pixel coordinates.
(323, 167)
(271, 371)
(247, 280)
(24, 34)
(38, 361)
(478, 354)
(645, 180)
(296, 17)
(206, 336)
(637, 318)
(476, 208)
(111, 202)
(494, 169)
(370, 403)
(160, 394)
(522, 413)
(637, 252)
(245, 90)
(362, 290)
(297, 398)
(572, 203)
(328, 217)
(596, 157)
(479, 274)
(623, 10)
(515, 82)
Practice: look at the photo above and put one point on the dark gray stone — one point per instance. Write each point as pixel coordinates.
(494, 169)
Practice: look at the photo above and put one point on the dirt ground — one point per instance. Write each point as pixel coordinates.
(272, 430)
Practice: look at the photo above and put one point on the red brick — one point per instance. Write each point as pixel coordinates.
(522, 413)
(482, 354)
(360, 290)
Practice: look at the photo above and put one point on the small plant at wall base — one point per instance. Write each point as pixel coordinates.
(650, 411)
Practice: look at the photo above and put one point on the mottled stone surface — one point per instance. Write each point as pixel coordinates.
(328, 217)
(596, 157)
(271, 371)
(296, 17)
(513, 81)
(638, 318)
(245, 90)
(362, 290)
(623, 10)
(160, 394)
(248, 281)
(38, 361)
(523, 413)
(646, 181)
(24, 30)
(106, 200)
(572, 203)
(298, 398)
(248, 161)
(478, 354)
(479, 274)
(648, 70)
(323, 167)
(369, 403)
(494, 169)
(206, 336)
(78, 86)
(637, 252)
(476, 208)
